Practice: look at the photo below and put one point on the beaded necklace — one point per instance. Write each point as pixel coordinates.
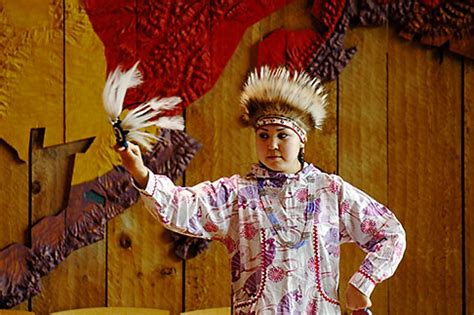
(271, 210)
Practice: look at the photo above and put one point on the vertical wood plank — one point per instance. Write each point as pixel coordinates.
(51, 173)
(321, 148)
(227, 149)
(13, 171)
(84, 270)
(85, 79)
(142, 269)
(424, 178)
(469, 184)
(45, 80)
(363, 136)
(13, 197)
(13, 201)
(31, 93)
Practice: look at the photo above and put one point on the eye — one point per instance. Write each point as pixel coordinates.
(263, 135)
(283, 135)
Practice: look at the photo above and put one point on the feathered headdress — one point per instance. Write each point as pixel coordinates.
(278, 93)
(141, 116)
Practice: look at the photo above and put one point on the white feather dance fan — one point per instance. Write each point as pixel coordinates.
(279, 92)
(116, 86)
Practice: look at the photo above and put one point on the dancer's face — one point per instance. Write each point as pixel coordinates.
(278, 148)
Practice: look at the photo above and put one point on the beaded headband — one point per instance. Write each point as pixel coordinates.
(282, 121)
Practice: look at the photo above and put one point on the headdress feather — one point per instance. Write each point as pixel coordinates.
(279, 92)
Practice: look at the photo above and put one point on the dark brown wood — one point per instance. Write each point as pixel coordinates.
(469, 184)
(424, 147)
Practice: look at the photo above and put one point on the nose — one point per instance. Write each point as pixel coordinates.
(273, 143)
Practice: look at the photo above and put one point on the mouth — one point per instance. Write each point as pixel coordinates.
(273, 157)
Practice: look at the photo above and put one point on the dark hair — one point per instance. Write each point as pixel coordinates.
(301, 156)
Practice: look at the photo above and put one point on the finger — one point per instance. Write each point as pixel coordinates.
(118, 148)
(135, 150)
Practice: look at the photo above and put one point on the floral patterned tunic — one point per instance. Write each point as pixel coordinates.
(283, 233)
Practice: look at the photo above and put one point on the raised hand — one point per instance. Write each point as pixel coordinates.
(133, 162)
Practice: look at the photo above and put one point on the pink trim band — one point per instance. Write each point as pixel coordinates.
(318, 268)
(263, 279)
(282, 121)
(367, 276)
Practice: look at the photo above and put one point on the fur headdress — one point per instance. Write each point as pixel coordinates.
(280, 93)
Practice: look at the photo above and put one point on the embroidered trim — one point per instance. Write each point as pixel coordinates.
(317, 269)
(158, 215)
(367, 276)
(155, 184)
(264, 275)
(282, 121)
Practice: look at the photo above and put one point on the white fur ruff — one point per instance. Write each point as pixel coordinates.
(298, 90)
(142, 116)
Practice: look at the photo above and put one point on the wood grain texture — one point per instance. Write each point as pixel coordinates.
(51, 172)
(142, 269)
(84, 270)
(85, 79)
(423, 170)
(13, 197)
(227, 149)
(469, 183)
(362, 131)
(424, 148)
(321, 147)
(13, 200)
(32, 83)
(113, 311)
(210, 311)
(32, 72)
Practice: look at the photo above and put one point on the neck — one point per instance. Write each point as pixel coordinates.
(297, 167)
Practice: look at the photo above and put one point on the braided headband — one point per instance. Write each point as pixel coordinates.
(282, 121)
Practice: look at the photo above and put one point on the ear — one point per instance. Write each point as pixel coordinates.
(304, 141)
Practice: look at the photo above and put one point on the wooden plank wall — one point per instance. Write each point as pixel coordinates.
(425, 176)
(399, 127)
(362, 134)
(468, 187)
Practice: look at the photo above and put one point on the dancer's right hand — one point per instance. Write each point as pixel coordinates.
(133, 162)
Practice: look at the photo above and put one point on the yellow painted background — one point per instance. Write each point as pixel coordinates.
(399, 127)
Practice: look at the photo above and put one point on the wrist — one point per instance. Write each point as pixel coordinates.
(141, 178)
